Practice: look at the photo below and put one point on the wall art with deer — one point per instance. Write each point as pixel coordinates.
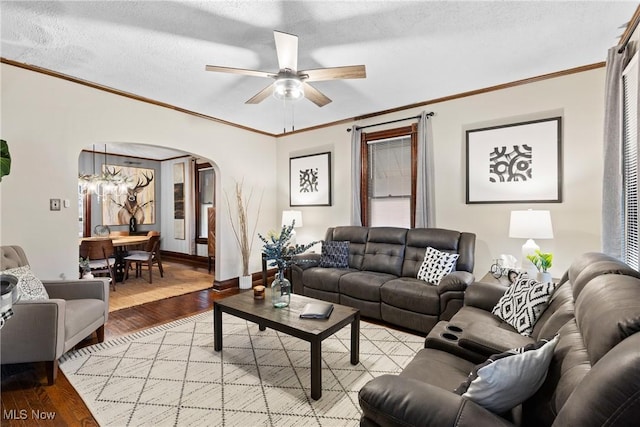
(138, 202)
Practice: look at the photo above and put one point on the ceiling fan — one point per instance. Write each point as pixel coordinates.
(291, 83)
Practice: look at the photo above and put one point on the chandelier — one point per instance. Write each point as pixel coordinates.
(111, 182)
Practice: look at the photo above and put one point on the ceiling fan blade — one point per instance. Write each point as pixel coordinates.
(261, 96)
(287, 50)
(230, 70)
(314, 95)
(346, 72)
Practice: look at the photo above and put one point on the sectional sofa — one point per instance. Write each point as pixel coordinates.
(593, 376)
(380, 278)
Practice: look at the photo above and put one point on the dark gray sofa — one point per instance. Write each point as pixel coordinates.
(594, 375)
(381, 279)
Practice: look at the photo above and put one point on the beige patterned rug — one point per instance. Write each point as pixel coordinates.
(178, 279)
(171, 376)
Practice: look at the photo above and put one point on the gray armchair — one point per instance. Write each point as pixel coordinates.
(41, 331)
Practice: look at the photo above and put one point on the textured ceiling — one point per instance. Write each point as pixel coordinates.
(414, 51)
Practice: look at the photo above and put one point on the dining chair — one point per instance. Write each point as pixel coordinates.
(118, 233)
(101, 255)
(150, 256)
(143, 247)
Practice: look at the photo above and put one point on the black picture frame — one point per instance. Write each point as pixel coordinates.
(310, 180)
(515, 163)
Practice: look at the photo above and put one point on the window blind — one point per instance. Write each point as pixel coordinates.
(390, 168)
(630, 162)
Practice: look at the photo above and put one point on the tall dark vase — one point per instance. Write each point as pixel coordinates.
(133, 224)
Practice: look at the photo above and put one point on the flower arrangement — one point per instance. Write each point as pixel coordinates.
(278, 250)
(542, 261)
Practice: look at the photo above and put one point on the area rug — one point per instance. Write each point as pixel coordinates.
(171, 376)
(178, 280)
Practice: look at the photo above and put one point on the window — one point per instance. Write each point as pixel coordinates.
(389, 177)
(630, 162)
(205, 186)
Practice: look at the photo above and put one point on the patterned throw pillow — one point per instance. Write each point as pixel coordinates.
(507, 379)
(335, 254)
(523, 303)
(436, 265)
(29, 286)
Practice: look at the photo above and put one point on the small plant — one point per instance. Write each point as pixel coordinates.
(542, 261)
(5, 159)
(84, 264)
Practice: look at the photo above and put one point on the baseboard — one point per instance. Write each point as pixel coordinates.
(223, 285)
(218, 285)
(193, 260)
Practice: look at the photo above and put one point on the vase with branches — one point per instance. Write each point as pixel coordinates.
(280, 253)
(242, 230)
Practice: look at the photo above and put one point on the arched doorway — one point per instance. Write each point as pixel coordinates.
(176, 191)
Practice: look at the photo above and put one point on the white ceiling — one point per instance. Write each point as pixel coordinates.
(414, 51)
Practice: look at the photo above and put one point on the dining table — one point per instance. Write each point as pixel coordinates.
(120, 244)
(120, 241)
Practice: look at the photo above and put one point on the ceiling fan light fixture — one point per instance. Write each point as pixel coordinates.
(288, 89)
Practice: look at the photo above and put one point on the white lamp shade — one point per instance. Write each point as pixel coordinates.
(531, 224)
(289, 216)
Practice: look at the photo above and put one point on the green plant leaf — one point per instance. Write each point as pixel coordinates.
(5, 159)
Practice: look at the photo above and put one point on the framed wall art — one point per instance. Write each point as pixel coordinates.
(178, 201)
(310, 180)
(515, 163)
(138, 202)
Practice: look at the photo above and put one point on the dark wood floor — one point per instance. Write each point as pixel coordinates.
(24, 390)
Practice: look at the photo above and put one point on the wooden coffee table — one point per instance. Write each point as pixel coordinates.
(287, 320)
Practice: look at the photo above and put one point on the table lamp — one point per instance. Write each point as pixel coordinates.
(530, 225)
(287, 218)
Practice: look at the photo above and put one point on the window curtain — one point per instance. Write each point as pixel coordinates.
(356, 167)
(425, 211)
(612, 194)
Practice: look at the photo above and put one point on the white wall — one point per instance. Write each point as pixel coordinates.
(47, 121)
(578, 98)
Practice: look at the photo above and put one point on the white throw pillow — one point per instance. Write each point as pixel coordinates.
(507, 379)
(523, 303)
(29, 286)
(436, 265)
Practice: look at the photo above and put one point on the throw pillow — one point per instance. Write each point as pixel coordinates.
(507, 379)
(436, 265)
(523, 303)
(335, 254)
(29, 286)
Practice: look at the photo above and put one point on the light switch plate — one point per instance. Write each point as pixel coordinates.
(54, 204)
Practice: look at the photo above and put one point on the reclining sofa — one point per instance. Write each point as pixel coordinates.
(593, 378)
(381, 277)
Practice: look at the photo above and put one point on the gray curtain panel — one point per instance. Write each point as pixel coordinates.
(612, 197)
(425, 200)
(356, 167)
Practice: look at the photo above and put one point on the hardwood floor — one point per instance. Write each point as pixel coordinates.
(25, 395)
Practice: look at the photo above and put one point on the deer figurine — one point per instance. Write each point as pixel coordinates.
(131, 208)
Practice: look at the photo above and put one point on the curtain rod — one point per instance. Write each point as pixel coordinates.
(631, 28)
(429, 114)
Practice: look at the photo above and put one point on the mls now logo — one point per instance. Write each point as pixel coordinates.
(23, 414)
